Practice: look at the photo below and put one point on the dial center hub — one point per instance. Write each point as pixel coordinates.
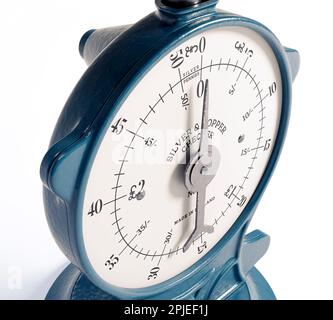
(202, 169)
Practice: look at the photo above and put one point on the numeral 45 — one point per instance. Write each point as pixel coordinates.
(119, 126)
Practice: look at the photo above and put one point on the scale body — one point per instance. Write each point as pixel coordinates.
(121, 59)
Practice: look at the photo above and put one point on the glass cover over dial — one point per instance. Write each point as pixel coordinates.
(212, 104)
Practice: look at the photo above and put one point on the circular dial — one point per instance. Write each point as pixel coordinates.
(142, 223)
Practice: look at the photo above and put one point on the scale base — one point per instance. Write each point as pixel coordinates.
(72, 284)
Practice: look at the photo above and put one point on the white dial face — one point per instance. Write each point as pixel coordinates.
(138, 213)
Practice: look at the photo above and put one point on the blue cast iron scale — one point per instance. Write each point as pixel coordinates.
(162, 153)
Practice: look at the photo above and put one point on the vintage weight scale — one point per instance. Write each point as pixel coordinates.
(162, 153)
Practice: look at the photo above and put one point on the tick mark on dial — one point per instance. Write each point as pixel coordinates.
(152, 109)
(113, 212)
(248, 73)
(171, 88)
(256, 86)
(129, 147)
(114, 200)
(211, 65)
(259, 93)
(116, 221)
(242, 69)
(135, 134)
(257, 148)
(123, 238)
(122, 228)
(133, 249)
(119, 174)
(220, 64)
(181, 80)
(236, 66)
(139, 253)
(143, 121)
(252, 79)
(159, 261)
(261, 101)
(152, 259)
(228, 64)
(146, 255)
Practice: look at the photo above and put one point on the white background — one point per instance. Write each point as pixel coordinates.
(39, 66)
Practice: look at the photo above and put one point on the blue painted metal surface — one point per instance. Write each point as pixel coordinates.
(227, 271)
(74, 285)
